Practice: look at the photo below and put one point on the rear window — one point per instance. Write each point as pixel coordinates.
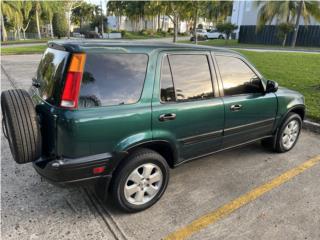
(50, 72)
(112, 79)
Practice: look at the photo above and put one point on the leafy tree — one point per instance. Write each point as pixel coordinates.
(218, 11)
(305, 9)
(83, 13)
(59, 24)
(283, 30)
(287, 12)
(48, 9)
(174, 10)
(7, 9)
(37, 8)
(68, 6)
(226, 28)
(117, 8)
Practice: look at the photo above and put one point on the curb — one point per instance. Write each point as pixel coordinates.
(311, 126)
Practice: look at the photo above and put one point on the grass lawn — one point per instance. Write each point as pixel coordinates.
(43, 40)
(234, 44)
(297, 71)
(23, 50)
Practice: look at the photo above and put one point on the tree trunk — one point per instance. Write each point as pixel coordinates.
(119, 22)
(195, 27)
(162, 25)
(38, 24)
(4, 31)
(175, 26)
(296, 27)
(284, 40)
(51, 28)
(158, 23)
(69, 23)
(19, 36)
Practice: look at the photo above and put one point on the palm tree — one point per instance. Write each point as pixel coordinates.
(48, 10)
(286, 11)
(175, 11)
(83, 13)
(7, 10)
(37, 8)
(218, 11)
(305, 9)
(25, 8)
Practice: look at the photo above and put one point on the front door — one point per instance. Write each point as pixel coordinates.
(186, 109)
(249, 111)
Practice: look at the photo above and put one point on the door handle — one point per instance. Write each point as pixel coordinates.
(235, 107)
(167, 116)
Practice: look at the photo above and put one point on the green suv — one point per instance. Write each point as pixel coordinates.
(120, 114)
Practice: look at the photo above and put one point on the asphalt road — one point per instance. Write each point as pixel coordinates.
(34, 209)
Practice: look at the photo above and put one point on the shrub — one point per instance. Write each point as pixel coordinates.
(283, 30)
(226, 28)
(124, 33)
(200, 26)
(59, 25)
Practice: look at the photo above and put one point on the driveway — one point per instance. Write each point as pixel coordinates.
(34, 209)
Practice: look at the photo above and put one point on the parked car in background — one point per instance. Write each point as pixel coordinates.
(203, 34)
(120, 114)
(215, 34)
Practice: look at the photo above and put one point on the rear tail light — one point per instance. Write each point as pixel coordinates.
(70, 94)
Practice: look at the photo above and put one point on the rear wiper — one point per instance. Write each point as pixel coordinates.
(35, 83)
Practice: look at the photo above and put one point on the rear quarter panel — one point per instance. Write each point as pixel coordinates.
(98, 130)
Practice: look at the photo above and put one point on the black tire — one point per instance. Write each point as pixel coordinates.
(136, 159)
(276, 143)
(20, 125)
(221, 37)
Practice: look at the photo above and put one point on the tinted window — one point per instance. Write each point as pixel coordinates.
(112, 79)
(237, 77)
(191, 77)
(167, 89)
(50, 72)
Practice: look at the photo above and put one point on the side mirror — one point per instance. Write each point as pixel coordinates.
(272, 86)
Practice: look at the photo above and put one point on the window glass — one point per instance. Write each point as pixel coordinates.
(237, 77)
(167, 89)
(191, 77)
(112, 79)
(50, 72)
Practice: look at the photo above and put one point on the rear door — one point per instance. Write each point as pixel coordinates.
(186, 108)
(249, 111)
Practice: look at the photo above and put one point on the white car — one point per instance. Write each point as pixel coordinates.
(209, 35)
(215, 34)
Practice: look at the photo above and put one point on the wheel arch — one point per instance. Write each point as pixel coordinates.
(164, 148)
(300, 110)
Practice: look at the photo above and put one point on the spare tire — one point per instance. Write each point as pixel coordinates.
(20, 125)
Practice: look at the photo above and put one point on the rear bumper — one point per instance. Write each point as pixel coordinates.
(74, 170)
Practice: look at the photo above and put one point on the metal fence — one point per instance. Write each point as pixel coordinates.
(307, 35)
(15, 36)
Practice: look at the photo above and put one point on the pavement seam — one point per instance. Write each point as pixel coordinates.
(106, 217)
(228, 208)
(11, 80)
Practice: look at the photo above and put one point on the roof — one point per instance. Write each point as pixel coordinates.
(82, 45)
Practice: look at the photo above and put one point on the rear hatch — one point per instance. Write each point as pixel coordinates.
(46, 92)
